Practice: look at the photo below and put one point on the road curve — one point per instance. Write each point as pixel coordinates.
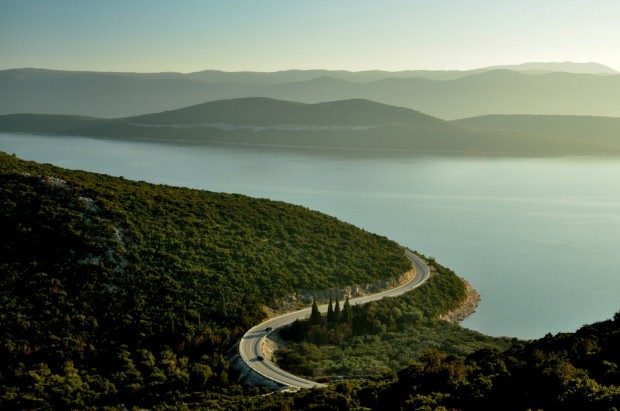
(251, 345)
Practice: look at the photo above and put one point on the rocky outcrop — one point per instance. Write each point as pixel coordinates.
(467, 307)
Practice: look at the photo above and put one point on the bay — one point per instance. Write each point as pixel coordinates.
(537, 237)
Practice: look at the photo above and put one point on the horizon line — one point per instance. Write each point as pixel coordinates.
(497, 67)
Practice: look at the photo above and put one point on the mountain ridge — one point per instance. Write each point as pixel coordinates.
(556, 66)
(444, 94)
(212, 74)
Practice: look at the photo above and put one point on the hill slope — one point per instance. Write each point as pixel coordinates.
(568, 371)
(112, 289)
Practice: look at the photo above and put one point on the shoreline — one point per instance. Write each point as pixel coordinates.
(467, 307)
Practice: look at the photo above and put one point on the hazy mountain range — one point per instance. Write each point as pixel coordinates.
(346, 124)
(532, 88)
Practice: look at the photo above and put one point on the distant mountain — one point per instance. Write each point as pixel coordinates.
(534, 88)
(565, 67)
(270, 112)
(278, 77)
(349, 124)
(106, 94)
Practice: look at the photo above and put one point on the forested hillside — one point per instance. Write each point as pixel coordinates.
(367, 341)
(114, 291)
(567, 371)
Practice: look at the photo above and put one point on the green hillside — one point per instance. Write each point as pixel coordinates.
(567, 371)
(117, 291)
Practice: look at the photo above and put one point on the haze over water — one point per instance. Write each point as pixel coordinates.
(538, 237)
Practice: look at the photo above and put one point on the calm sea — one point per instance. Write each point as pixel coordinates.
(538, 237)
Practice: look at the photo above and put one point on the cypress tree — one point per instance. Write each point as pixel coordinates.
(330, 312)
(315, 315)
(347, 314)
(337, 310)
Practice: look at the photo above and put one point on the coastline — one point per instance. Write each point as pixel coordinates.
(467, 307)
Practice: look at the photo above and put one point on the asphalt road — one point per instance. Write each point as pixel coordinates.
(250, 346)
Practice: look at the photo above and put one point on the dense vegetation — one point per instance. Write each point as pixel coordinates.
(382, 336)
(568, 371)
(117, 291)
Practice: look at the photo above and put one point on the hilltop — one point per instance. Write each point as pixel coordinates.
(271, 112)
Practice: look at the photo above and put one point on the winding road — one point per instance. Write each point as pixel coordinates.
(251, 345)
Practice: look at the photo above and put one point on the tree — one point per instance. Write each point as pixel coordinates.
(337, 310)
(347, 314)
(315, 315)
(330, 312)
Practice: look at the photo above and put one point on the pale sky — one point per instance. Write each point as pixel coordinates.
(271, 35)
